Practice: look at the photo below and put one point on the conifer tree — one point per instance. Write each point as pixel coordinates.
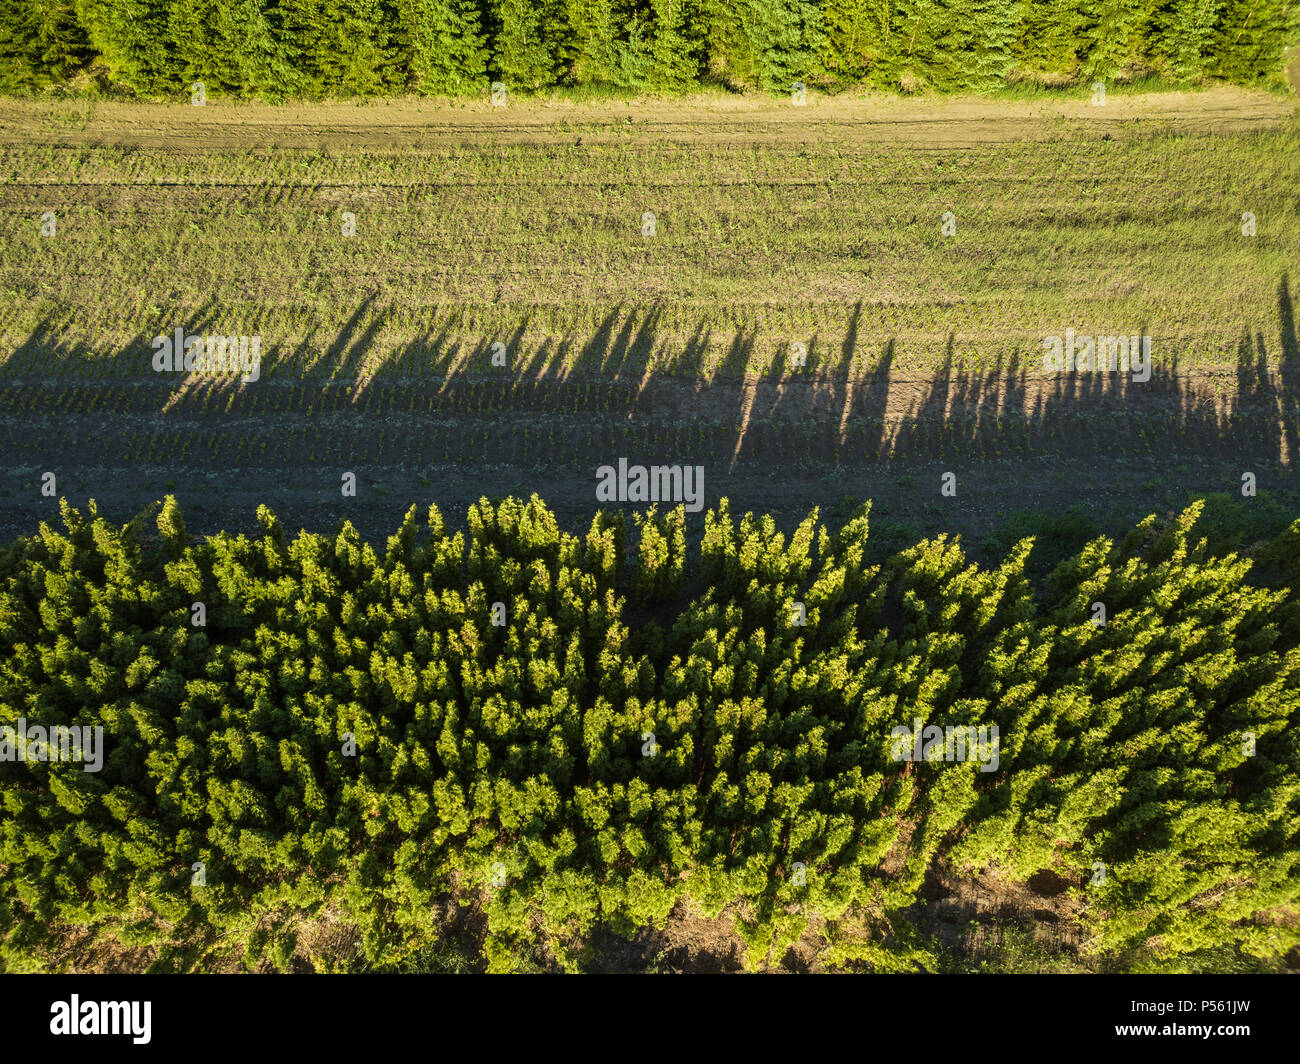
(673, 44)
(594, 46)
(41, 44)
(340, 47)
(207, 39)
(1048, 39)
(1116, 36)
(767, 44)
(278, 48)
(1184, 35)
(520, 748)
(1250, 37)
(443, 44)
(524, 33)
(859, 37)
(130, 37)
(953, 46)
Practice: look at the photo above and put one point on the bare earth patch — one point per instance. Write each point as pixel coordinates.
(924, 122)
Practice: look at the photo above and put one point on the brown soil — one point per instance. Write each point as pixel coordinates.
(1016, 440)
(924, 122)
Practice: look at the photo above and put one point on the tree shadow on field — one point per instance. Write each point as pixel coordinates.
(1289, 399)
(637, 383)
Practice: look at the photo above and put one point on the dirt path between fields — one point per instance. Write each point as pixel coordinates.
(918, 122)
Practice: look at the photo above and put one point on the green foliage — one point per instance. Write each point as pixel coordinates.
(354, 735)
(444, 45)
(1186, 32)
(312, 48)
(130, 38)
(859, 37)
(41, 44)
(1049, 38)
(768, 44)
(1118, 36)
(675, 42)
(343, 47)
(949, 45)
(215, 43)
(1250, 36)
(1230, 523)
(593, 50)
(523, 54)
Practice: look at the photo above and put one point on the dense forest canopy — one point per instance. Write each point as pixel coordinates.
(583, 729)
(309, 48)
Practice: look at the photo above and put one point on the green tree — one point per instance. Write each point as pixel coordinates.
(1049, 40)
(341, 47)
(41, 44)
(859, 37)
(1185, 34)
(1116, 35)
(524, 34)
(954, 46)
(130, 37)
(443, 44)
(1250, 37)
(593, 47)
(767, 44)
(674, 43)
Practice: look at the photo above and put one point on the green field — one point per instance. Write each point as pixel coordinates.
(473, 226)
(774, 226)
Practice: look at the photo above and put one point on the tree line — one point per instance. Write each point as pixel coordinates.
(584, 729)
(275, 49)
